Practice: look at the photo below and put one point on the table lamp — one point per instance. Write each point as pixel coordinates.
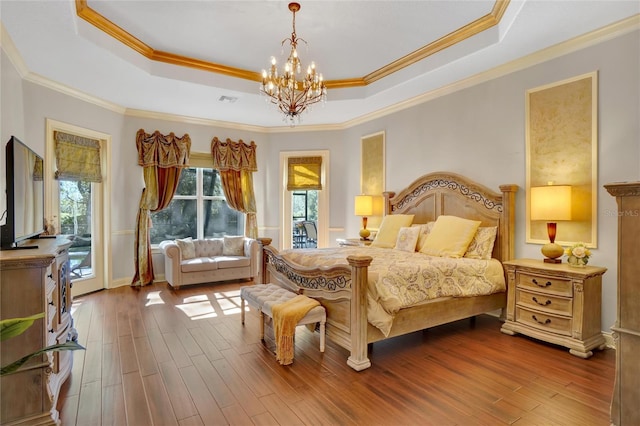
(551, 203)
(367, 205)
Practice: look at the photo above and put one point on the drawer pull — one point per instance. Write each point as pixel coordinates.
(547, 284)
(50, 276)
(51, 331)
(545, 322)
(51, 303)
(547, 303)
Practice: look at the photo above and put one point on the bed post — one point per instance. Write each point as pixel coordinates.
(359, 270)
(263, 273)
(508, 221)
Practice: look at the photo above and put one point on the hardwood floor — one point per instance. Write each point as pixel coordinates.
(155, 356)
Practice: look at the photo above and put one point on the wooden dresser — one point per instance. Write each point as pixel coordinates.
(625, 407)
(34, 281)
(556, 303)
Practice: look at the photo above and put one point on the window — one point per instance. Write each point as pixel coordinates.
(198, 210)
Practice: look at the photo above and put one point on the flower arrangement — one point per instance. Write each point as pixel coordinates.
(578, 254)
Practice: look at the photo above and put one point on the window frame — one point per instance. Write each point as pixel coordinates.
(199, 162)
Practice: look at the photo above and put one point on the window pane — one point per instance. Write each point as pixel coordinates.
(220, 219)
(212, 185)
(179, 220)
(188, 182)
(75, 207)
(299, 201)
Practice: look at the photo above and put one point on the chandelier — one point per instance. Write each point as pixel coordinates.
(291, 92)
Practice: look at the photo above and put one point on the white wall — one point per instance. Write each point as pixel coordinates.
(478, 132)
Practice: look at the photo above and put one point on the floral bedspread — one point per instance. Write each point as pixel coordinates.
(399, 279)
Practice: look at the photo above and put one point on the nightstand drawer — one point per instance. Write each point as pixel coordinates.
(545, 302)
(545, 284)
(542, 321)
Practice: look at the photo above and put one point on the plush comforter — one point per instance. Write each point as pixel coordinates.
(399, 279)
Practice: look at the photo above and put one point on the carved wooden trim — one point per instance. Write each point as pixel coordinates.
(491, 201)
(624, 189)
(314, 279)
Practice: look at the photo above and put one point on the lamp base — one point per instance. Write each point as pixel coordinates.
(552, 252)
(364, 234)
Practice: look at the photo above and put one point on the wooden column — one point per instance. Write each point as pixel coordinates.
(358, 359)
(626, 394)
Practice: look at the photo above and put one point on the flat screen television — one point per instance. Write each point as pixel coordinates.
(25, 196)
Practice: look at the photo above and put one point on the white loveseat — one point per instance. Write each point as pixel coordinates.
(196, 261)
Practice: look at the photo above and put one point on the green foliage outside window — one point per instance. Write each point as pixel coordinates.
(198, 208)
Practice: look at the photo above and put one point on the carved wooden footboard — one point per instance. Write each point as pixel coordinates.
(342, 290)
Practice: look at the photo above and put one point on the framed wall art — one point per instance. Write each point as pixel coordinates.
(562, 149)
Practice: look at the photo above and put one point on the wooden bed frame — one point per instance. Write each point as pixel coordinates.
(342, 290)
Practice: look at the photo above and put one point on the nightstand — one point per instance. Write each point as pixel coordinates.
(556, 303)
(353, 242)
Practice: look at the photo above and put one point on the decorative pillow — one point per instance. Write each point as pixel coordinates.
(407, 238)
(481, 246)
(233, 246)
(187, 248)
(425, 230)
(388, 232)
(450, 236)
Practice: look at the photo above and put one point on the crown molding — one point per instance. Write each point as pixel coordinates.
(609, 32)
(85, 12)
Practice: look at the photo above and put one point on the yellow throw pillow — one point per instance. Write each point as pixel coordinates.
(425, 230)
(389, 228)
(450, 236)
(407, 239)
(481, 246)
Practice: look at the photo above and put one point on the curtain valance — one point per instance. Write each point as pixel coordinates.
(304, 173)
(77, 158)
(163, 151)
(232, 155)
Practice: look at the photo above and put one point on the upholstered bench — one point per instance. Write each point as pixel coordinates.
(262, 297)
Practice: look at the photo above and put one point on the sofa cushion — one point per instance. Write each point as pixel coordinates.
(233, 246)
(208, 247)
(199, 264)
(187, 248)
(225, 262)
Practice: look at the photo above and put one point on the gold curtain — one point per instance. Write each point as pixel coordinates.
(236, 161)
(162, 157)
(77, 158)
(304, 173)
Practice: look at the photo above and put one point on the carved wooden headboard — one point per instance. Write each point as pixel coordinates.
(443, 193)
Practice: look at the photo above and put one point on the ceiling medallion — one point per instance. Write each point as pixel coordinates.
(291, 92)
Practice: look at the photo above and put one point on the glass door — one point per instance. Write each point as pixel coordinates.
(77, 204)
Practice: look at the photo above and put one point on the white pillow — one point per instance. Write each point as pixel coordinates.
(388, 232)
(407, 239)
(450, 237)
(233, 246)
(187, 248)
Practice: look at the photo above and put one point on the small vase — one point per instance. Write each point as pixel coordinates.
(577, 262)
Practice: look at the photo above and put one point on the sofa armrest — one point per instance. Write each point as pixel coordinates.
(252, 249)
(172, 258)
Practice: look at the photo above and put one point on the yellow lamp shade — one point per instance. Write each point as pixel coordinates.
(551, 202)
(364, 205)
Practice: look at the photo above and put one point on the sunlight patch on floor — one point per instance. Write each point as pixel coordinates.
(198, 310)
(153, 298)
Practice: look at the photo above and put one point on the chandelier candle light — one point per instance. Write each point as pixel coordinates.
(291, 95)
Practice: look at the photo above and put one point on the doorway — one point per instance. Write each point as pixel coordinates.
(304, 216)
(77, 210)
